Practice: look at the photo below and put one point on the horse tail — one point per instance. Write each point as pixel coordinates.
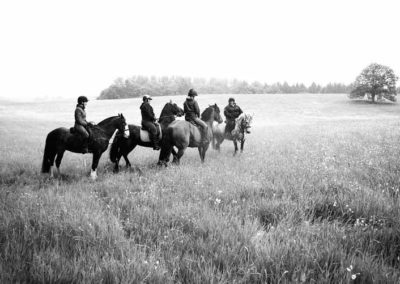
(48, 155)
(114, 150)
(166, 145)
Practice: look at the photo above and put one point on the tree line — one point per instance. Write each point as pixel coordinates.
(138, 86)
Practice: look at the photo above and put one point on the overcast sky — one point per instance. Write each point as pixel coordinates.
(70, 48)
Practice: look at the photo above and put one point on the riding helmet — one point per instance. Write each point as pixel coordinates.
(192, 93)
(82, 99)
(231, 100)
(146, 97)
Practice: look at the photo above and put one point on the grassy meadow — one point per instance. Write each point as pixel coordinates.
(314, 198)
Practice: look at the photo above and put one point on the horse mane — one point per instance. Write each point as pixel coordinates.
(166, 107)
(244, 116)
(167, 112)
(206, 114)
(97, 129)
(105, 121)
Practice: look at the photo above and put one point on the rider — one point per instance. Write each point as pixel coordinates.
(192, 114)
(231, 112)
(80, 122)
(149, 121)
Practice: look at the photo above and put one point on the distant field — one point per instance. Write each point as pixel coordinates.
(314, 198)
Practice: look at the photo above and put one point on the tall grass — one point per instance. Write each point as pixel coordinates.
(315, 201)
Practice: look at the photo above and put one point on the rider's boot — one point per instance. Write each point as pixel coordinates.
(204, 136)
(85, 146)
(156, 145)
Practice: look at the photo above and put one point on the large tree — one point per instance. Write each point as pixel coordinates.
(375, 81)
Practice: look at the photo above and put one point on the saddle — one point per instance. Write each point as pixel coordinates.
(144, 134)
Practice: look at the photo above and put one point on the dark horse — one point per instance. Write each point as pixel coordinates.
(122, 146)
(238, 133)
(183, 134)
(61, 139)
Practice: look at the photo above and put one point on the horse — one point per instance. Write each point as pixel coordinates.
(122, 147)
(242, 125)
(61, 139)
(183, 134)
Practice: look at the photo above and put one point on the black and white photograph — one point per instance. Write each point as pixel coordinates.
(199, 141)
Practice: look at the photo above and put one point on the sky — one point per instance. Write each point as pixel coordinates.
(63, 49)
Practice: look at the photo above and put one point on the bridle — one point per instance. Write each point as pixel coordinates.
(126, 131)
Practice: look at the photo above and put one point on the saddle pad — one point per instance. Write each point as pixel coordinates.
(144, 134)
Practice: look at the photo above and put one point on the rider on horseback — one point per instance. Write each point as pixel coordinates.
(192, 114)
(231, 112)
(80, 122)
(149, 121)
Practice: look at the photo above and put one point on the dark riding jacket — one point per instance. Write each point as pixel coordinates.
(80, 116)
(147, 112)
(232, 112)
(80, 121)
(191, 109)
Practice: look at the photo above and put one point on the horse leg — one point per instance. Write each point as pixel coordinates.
(202, 152)
(116, 165)
(51, 161)
(116, 162)
(241, 145)
(236, 147)
(205, 148)
(177, 158)
(95, 163)
(218, 146)
(173, 152)
(60, 155)
(213, 143)
(128, 164)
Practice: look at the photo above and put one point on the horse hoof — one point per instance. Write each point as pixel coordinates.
(93, 175)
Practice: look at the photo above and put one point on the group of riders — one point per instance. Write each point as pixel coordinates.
(149, 121)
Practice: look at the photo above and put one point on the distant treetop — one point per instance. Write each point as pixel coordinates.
(138, 86)
(375, 81)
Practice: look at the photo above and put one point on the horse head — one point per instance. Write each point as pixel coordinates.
(212, 113)
(169, 111)
(242, 125)
(245, 123)
(176, 110)
(217, 114)
(122, 126)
